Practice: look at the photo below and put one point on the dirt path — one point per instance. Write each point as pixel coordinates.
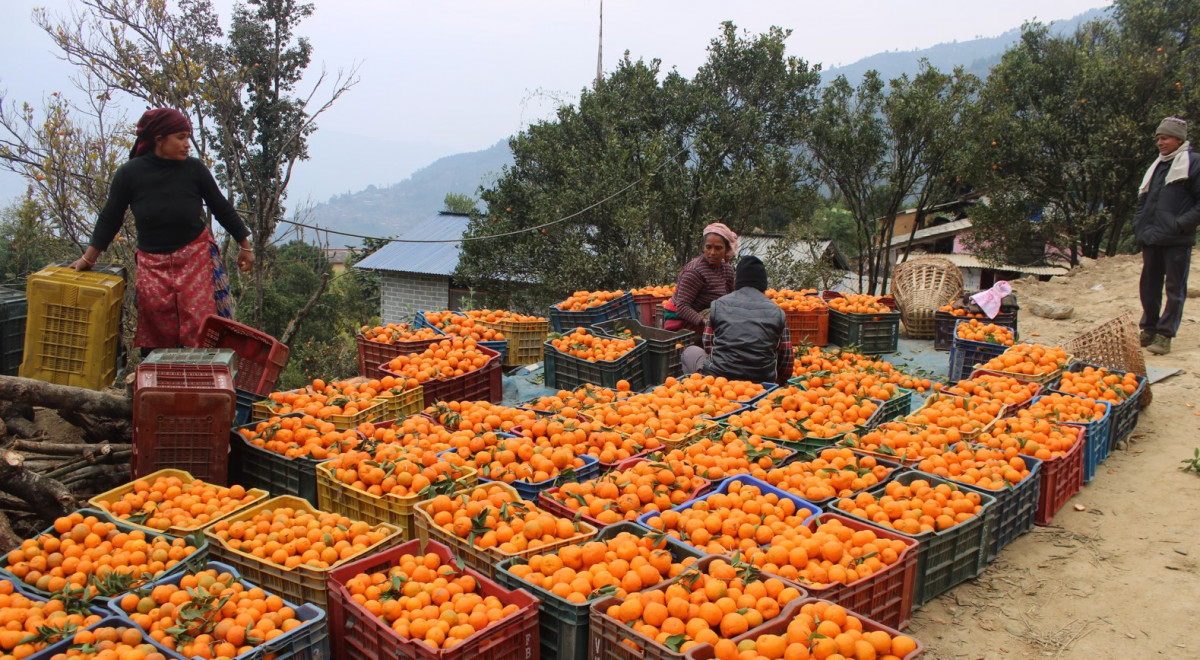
(1120, 579)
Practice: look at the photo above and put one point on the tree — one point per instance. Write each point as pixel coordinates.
(25, 247)
(640, 166)
(458, 203)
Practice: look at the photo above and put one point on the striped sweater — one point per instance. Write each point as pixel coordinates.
(699, 284)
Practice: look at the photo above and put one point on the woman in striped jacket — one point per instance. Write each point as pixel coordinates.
(702, 280)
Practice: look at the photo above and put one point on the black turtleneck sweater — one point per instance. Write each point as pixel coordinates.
(166, 199)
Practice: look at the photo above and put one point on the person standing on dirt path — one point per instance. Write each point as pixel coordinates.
(1168, 211)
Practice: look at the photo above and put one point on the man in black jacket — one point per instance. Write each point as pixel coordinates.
(1168, 210)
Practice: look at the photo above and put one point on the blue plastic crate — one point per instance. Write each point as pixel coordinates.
(1125, 413)
(966, 354)
(500, 346)
(530, 491)
(1096, 449)
(765, 488)
(621, 307)
(308, 641)
(1016, 506)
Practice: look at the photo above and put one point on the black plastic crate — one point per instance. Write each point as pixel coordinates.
(13, 308)
(1124, 413)
(943, 322)
(664, 348)
(567, 372)
(965, 355)
(900, 405)
(872, 334)
(255, 467)
(1015, 509)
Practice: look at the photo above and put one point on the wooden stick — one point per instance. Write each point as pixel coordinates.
(47, 497)
(62, 397)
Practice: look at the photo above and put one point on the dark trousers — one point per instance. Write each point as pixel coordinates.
(1161, 264)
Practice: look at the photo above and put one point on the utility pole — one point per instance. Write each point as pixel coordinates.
(600, 52)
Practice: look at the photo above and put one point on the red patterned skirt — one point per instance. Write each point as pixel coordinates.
(176, 291)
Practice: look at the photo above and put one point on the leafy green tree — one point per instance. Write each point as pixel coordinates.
(459, 203)
(25, 246)
(641, 166)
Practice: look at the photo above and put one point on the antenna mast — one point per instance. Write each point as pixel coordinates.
(600, 50)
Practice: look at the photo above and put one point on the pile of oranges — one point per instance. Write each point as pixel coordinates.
(479, 416)
(397, 332)
(1039, 438)
(1029, 359)
(583, 344)
(92, 554)
(966, 415)
(581, 300)
(796, 301)
(1067, 408)
(305, 436)
(496, 316)
(987, 333)
(859, 303)
(958, 310)
(825, 552)
(324, 400)
(625, 494)
(396, 470)
(109, 642)
(425, 599)
(836, 472)
(819, 629)
(703, 606)
(723, 523)
(518, 459)
(617, 566)
(290, 537)
(30, 626)
(493, 516)
(816, 362)
(1098, 383)
(453, 323)
(1007, 390)
(169, 502)
(658, 291)
(984, 467)
(793, 414)
(902, 442)
(733, 453)
(441, 361)
(209, 614)
(915, 508)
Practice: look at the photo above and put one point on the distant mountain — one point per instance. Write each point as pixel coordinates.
(391, 210)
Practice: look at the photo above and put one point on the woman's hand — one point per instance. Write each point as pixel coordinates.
(245, 258)
(81, 264)
(85, 262)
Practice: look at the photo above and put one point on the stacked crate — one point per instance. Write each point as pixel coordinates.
(182, 416)
(72, 329)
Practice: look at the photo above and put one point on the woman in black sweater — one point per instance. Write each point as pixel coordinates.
(180, 276)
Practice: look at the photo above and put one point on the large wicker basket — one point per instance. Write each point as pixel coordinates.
(920, 286)
(1113, 344)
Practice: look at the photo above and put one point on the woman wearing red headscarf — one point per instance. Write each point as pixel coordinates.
(702, 280)
(180, 276)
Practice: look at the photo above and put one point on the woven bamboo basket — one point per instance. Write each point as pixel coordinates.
(920, 286)
(1113, 344)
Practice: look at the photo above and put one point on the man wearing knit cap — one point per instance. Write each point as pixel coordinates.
(746, 333)
(1168, 210)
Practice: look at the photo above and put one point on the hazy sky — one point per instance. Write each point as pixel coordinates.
(439, 78)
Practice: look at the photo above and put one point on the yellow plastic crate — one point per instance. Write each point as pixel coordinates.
(261, 411)
(485, 560)
(73, 326)
(184, 476)
(408, 402)
(302, 584)
(525, 340)
(338, 497)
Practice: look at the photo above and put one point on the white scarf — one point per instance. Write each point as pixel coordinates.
(1180, 162)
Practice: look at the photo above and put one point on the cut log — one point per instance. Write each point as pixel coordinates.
(99, 430)
(49, 498)
(29, 447)
(8, 539)
(63, 397)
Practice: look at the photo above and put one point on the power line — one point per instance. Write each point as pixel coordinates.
(463, 239)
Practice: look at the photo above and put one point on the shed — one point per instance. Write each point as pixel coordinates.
(419, 276)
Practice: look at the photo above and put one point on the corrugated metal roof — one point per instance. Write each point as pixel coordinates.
(422, 258)
(936, 231)
(972, 261)
(802, 251)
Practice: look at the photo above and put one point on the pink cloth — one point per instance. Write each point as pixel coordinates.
(726, 233)
(989, 300)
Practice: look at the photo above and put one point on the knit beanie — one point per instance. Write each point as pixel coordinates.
(751, 272)
(1173, 127)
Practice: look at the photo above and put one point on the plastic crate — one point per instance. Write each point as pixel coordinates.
(547, 502)
(1096, 448)
(873, 334)
(943, 322)
(660, 314)
(644, 304)
(109, 621)
(1016, 507)
(966, 354)
(948, 557)
(485, 560)
(564, 625)
(664, 348)
(530, 491)
(260, 356)
(779, 626)
(483, 384)
(245, 406)
(12, 330)
(182, 415)
(500, 346)
(900, 405)
(359, 634)
(375, 411)
(99, 602)
(118, 492)
(808, 327)
(525, 339)
(567, 372)
(617, 308)
(302, 584)
(1125, 412)
(1061, 479)
(338, 497)
(256, 467)
(746, 480)
(371, 354)
(399, 405)
(213, 356)
(608, 636)
(965, 436)
(308, 641)
(73, 327)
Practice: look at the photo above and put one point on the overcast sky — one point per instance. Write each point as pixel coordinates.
(439, 78)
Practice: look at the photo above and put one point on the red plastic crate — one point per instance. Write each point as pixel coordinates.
(182, 415)
(644, 304)
(260, 356)
(483, 384)
(811, 327)
(357, 633)
(371, 354)
(1062, 478)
